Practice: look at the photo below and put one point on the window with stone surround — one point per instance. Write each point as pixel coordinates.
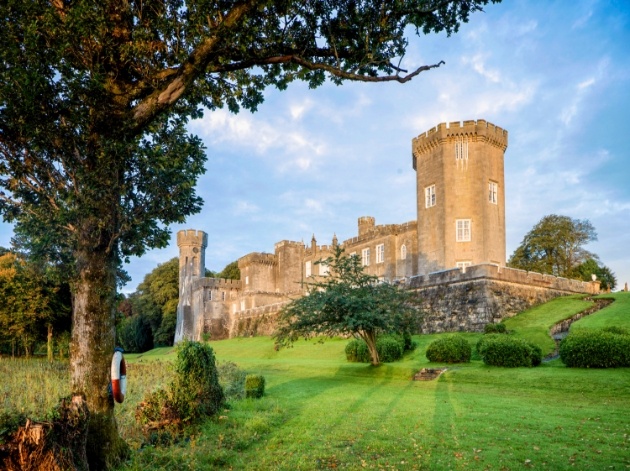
(365, 257)
(429, 196)
(324, 270)
(493, 191)
(307, 269)
(247, 280)
(463, 230)
(403, 252)
(380, 253)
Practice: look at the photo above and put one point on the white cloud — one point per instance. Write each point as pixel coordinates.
(243, 207)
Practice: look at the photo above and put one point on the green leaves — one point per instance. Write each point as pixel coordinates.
(348, 302)
(555, 246)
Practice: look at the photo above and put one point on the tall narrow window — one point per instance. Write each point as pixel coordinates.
(463, 230)
(365, 257)
(324, 270)
(429, 196)
(380, 253)
(307, 269)
(403, 252)
(493, 190)
(461, 148)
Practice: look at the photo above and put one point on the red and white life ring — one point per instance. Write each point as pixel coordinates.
(119, 377)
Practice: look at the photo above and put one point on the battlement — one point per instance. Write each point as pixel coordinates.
(257, 258)
(219, 283)
(382, 230)
(192, 237)
(288, 243)
(320, 248)
(473, 129)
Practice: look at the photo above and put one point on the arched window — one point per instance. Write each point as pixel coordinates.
(403, 252)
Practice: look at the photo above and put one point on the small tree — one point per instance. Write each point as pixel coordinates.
(348, 302)
(590, 267)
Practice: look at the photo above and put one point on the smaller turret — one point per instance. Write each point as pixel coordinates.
(366, 223)
(192, 252)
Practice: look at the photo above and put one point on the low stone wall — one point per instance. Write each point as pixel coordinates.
(256, 321)
(466, 301)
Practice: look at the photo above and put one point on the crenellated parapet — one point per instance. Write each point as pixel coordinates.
(219, 283)
(258, 258)
(382, 230)
(193, 238)
(473, 130)
(288, 243)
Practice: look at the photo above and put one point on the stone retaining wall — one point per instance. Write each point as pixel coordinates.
(466, 301)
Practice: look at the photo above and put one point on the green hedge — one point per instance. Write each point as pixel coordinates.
(449, 349)
(596, 349)
(255, 386)
(504, 350)
(389, 347)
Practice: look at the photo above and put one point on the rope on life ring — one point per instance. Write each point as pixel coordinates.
(119, 377)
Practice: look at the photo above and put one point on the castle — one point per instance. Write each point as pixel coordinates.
(453, 254)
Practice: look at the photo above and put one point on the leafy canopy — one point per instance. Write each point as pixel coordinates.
(348, 302)
(555, 245)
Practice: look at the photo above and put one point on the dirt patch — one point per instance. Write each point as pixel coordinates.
(428, 374)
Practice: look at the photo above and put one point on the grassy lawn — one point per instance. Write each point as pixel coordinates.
(320, 412)
(615, 314)
(534, 324)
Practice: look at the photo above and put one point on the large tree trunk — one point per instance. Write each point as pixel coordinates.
(370, 340)
(93, 337)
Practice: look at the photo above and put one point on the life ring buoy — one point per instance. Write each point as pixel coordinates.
(119, 377)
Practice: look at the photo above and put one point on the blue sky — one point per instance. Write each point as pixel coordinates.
(555, 74)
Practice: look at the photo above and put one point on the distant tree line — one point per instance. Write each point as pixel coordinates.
(147, 317)
(35, 307)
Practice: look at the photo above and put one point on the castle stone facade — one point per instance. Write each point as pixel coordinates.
(453, 255)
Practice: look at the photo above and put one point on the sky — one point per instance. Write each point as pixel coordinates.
(555, 74)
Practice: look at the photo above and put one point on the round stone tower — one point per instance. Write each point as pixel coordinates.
(192, 255)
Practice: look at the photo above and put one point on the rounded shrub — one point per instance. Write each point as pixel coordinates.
(254, 386)
(390, 348)
(449, 349)
(595, 349)
(352, 350)
(495, 328)
(503, 350)
(615, 329)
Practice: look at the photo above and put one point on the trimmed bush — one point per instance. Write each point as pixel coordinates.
(595, 349)
(495, 329)
(389, 347)
(504, 350)
(449, 349)
(614, 329)
(254, 386)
